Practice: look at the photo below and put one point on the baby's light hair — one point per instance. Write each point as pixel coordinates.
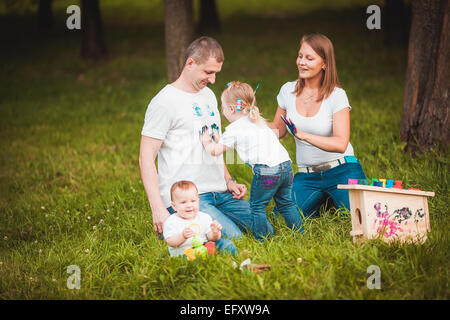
(182, 185)
(243, 91)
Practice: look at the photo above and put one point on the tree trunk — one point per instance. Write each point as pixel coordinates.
(179, 32)
(209, 18)
(45, 15)
(396, 22)
(93, 43)
(425, 118)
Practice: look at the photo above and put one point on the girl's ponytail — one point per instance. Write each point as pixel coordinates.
(254, 115)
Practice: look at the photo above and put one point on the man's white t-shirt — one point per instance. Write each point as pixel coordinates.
(175, 225)
(177, 117)
(255, 144)
(320, 124)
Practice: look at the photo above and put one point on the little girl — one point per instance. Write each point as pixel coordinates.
(257, 145)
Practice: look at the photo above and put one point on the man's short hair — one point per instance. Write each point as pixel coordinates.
(202, 49)
(182, 185)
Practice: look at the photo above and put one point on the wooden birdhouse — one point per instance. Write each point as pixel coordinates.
(389, 214)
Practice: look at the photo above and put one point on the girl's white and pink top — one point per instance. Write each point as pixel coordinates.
(254, 143)
(320, 124)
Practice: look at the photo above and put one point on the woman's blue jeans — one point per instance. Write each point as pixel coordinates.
(273, 182)
(310, 190)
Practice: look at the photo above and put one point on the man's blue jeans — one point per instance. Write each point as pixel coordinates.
(310, 190)
(273, 182)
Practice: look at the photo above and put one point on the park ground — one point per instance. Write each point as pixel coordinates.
(70, 188)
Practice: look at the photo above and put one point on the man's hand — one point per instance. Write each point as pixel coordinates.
(237, 190)
(159, 216)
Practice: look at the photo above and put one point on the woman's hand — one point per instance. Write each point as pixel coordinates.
(300, 135)
(338, 142)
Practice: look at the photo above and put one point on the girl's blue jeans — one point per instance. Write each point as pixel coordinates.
(311, 190)
(273, 182)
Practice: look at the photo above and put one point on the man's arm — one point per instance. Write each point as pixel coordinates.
(147, 156)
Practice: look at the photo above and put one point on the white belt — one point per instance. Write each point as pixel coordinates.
(323, 166)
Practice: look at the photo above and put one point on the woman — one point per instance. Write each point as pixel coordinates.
(318, 107)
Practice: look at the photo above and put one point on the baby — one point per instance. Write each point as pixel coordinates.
(188, 222)
(257, 145)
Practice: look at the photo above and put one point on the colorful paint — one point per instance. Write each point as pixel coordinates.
(210, 110)
(389, 225)
(197, 110)
(269, 182)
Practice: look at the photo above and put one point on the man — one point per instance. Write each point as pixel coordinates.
(173, 121)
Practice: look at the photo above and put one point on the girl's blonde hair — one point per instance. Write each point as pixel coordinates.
(324, 48)
(243, 91)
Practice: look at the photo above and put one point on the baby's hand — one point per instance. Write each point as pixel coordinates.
(216, 227)
(187, 233)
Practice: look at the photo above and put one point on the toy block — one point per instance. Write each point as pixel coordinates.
(211, 247)
(389, 214)
(389, 183)
(384, 182)
(363, 181)
(378, 183)
(352, 181)
(398, 184)
(373, 180)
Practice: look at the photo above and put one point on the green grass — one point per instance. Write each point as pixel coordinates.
(70, 188)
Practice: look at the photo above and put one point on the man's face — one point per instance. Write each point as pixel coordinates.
(202, 74)
(186, 203)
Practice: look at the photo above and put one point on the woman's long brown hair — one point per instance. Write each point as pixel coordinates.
(324, 48)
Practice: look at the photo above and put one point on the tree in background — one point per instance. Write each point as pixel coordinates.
(425, 117)
(93, 42)
(45, 15)
(179, 32)
(209, 18)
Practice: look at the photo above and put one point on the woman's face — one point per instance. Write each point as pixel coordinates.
(309, 63)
